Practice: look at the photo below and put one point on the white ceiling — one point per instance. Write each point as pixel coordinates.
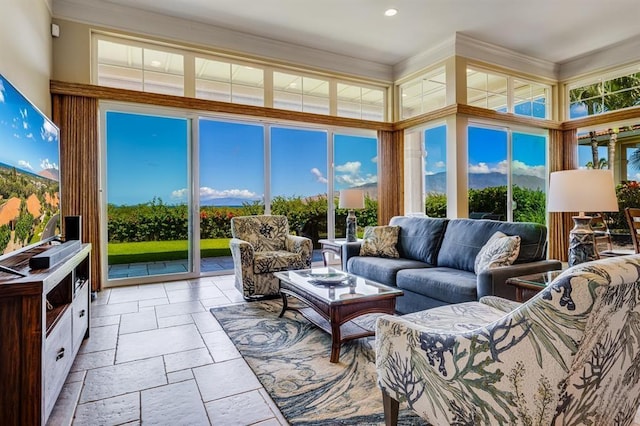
(551, 30)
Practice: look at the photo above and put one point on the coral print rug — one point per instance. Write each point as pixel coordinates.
(290, 357)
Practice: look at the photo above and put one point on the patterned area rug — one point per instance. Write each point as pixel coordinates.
(290, 357)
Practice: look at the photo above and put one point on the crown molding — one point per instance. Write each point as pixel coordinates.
(137, 21)
(486, 52)
(424, 59)
(625, 52)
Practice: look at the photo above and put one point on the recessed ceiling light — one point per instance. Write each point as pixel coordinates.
(390, 12)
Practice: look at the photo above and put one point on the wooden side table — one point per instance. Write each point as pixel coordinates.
(331, 247)
(532, 283)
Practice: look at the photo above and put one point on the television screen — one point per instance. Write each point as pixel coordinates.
(29, 173)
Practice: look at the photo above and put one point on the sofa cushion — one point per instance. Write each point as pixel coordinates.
(446, 284)
(500, 250)
(420, 237)
(380, 241)
(382, 270)
(464, 238)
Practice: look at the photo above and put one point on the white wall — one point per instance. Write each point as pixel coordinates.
(25, 49)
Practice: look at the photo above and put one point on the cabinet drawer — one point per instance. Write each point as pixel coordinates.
(80, 315)
(58, 358)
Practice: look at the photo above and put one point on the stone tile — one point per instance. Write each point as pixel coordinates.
(77, 376)
(115, 309)
(100, 339)
(178, 309)
(180, 376)
(273, 406)
(214, 303)
(174, 404)
(102, 297)
(103, 321)
(141, 321)
(220, 346)
(225, 284)
(206, 322)
(94, 360)
(194, 293)
(119, 379)
(235, 374)
(153, 302)
(245, 408)
(147, 344)
(62, 412)
(176, 285)
(111, 411)
(187, 359)
(234, 296)
(270, 422)
(175, 320)
(135, 293)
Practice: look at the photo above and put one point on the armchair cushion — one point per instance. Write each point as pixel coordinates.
(446, 284)
(274, 261)
(264, 233)
(380, 241)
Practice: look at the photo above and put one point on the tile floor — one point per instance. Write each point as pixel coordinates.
(157, 356)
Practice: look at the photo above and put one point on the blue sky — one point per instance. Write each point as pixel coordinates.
(488, 152)
(28, 140)
(147, 157)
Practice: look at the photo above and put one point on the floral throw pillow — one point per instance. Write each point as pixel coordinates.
(500, 250)
(380, 241)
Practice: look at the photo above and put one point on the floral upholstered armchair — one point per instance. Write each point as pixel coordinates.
(262, 245)
(568, 356)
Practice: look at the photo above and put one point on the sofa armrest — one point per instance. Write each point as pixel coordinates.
(302, 246)
(349, 250)
(492, 282)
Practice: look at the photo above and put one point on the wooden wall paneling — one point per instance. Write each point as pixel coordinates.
(77, 117)
(563, 153)
(391, 179)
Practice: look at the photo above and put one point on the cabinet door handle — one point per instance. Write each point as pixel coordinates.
(60, 354)
(81, 314)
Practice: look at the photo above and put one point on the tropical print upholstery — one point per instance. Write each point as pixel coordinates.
(499, 250)
(380, 241)
(568, 356)
(262, 245)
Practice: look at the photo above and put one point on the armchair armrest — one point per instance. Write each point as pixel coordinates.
(349, 250)
(241, 247)
(492, 282)
(301, 245)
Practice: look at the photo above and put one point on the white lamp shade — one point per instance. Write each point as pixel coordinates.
(583, 190)
(351, 199)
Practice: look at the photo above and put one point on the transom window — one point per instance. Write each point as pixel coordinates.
(605, 94)
(227, 82)
(423, 94)
(300, 93)
(360, 102)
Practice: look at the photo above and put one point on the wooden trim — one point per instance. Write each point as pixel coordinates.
(391, 181)
(608, 117)
(156, 99)
(425, 118)
(473, 111)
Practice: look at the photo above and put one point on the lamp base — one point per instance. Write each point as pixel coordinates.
(351, 227)
(582, 247)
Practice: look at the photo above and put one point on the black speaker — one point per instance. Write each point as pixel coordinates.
(73, 228)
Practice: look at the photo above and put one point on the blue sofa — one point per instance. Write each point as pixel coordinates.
(436, 263)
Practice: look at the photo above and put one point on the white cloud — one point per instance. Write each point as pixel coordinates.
(46, 164)
(207, 193)
(318, 174)
(48, 131)
(25, 164)
(479, 168)
(374, 159)
(429, 173)
(349, 167)
(1, 93)
(440, 165)
(356, 180)
(517, 168)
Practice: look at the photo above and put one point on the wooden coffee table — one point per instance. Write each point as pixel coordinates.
(332, 306)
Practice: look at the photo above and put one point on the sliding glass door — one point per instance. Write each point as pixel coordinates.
(147, 194)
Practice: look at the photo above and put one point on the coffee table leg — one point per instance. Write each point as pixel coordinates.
(284, 304)
(335, 343)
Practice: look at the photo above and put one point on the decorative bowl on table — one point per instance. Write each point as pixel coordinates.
(327, 278)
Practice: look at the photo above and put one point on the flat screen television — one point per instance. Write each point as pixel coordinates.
(29, 174)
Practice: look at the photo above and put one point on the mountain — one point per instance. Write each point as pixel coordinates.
(52, 174)
(437, 182)
(226, 202)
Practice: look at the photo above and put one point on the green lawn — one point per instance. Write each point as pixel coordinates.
(154, 251)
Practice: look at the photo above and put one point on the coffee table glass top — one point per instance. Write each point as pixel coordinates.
(335, 286)
(541, 279)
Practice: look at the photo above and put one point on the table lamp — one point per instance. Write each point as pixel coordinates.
(584, 190)
(351, 199)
